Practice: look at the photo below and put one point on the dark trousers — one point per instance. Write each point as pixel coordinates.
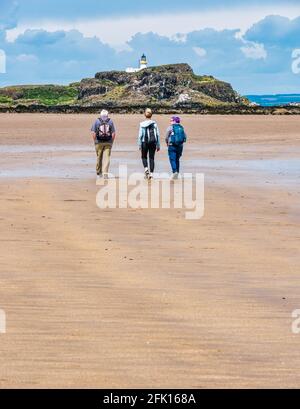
(175, 153)
(148, 150)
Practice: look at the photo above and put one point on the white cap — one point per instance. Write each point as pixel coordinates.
(104, 113)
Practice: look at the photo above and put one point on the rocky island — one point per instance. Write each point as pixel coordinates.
(166, 89)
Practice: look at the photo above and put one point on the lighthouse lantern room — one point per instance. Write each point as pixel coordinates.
(143, 63)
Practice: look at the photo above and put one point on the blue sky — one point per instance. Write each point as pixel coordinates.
(249, 44)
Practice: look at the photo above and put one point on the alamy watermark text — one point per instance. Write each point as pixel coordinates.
(133, 191)
(2, 62)
(296, 61)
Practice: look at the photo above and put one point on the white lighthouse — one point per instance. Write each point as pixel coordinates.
(143, 63)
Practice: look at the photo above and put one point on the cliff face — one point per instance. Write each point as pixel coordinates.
(168, 85)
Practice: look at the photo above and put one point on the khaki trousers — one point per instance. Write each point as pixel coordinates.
(103, 151)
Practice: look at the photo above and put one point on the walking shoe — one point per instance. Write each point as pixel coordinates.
(99, 180)
(175, 176)
(147, 174)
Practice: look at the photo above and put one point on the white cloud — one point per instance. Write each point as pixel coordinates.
(179, 37)
(255, 51)
(27, 58)
(116, 31)
(201, 52)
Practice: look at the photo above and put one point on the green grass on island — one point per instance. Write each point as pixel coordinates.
(49, 95)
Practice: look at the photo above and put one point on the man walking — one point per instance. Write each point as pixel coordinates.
(104, 134)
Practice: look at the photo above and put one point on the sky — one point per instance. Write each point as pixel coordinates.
(253, 45)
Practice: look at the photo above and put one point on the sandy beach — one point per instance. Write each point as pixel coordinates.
(124, 298)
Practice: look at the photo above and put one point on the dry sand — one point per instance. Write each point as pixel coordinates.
(145, 298)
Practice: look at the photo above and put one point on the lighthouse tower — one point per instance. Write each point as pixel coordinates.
(143, 63)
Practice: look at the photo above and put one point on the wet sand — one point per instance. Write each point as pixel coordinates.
(145, 298)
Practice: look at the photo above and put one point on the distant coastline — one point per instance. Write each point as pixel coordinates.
(275, 100)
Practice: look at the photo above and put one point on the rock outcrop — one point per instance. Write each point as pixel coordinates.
(166, 89)
(170, 84)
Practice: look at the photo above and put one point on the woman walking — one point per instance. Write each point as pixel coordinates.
(149, 143)
(175, 139)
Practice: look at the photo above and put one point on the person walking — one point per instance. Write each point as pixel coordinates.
(149, 143)
(175, 138)
(104, 134)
